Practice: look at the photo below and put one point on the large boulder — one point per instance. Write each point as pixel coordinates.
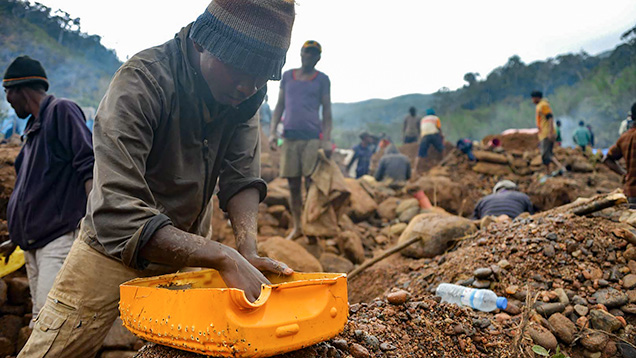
(436, 231)
(362, 204)
(350, 244)
(289, 252)
(443, 192)
(334, 263)
(277, 193)
(386, 209)
(554, 192)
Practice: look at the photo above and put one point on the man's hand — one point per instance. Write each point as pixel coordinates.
(273, 143)
(6, 249)
(237, 272)
(327, 147)
(265, 264)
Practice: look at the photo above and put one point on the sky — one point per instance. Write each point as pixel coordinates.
(374, 49)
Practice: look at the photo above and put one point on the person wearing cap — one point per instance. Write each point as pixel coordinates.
(547, 134)
(54, 176)
(177, 120)
(505, 200)
(625, 147)
(430, 135)
(362, 153)
(411, 128)
(303, 92)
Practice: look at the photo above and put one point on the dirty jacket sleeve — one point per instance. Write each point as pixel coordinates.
(124, 211)
(241, 168)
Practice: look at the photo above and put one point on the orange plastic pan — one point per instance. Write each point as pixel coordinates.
(195, 311)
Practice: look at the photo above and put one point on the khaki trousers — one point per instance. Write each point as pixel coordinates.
(82, 305)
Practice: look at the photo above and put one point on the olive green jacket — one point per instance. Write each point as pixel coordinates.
(161, 142)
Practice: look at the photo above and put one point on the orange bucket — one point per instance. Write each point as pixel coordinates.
(195, 311)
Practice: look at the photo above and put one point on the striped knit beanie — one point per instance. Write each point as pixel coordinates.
(25, 70)
(250, 35)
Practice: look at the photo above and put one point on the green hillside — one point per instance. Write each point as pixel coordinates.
(78, 66)
(596, 89)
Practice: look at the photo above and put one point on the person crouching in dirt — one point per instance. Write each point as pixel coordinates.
(175, 118)
(393, 165)
(504, 200)
(430, 134)
(54, 176)
(547, 134)
(625, 147)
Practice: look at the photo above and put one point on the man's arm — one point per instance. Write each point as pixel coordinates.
(614, 166)
(276, 117)
(243, 212)
(327, 120)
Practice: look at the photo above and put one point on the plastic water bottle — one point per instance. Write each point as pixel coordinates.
(483, 300)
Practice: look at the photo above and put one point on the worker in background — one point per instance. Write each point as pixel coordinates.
(505, 200)
(547, 134)
(411, 128)
(303, 92)
(393, 165)
(623, 127)
(589, 128)
(362, 154)
(266, 116)
(54, 176)
(176, 120)
(582, 137)
(431, 135)
(465, 145)
(558, 139)
(625, 147)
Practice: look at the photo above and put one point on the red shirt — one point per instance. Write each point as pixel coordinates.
(625, 147)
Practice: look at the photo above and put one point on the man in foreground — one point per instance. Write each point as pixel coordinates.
(54, 176)
(303, 91)
(505, 200)
(547, 134)
(175, 118)
(625, 147)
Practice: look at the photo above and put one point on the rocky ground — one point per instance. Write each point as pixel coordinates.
(570, 281)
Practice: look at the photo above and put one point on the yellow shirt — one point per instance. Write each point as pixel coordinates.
(543, 124)
(430, 125)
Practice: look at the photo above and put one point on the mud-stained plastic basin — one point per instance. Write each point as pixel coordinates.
(195, 311)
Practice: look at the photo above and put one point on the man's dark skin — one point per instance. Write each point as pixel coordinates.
(309, 57)
(26, 100)
(177, 248)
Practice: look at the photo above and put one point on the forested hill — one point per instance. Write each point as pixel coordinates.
(78, 66)
(596, 89)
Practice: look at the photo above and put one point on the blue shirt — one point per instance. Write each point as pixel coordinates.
(363, 156)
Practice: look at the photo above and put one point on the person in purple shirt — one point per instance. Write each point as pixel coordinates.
(303, 91)
(54, 176)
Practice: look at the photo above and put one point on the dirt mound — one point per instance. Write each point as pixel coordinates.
(515, 141)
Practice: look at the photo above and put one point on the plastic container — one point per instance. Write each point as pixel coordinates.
(195, 311)
(483, 300)
(16, 260)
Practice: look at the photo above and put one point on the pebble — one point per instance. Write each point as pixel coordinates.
(504, 264)
(387, 347)
(511, 290)
(632, 266)
(629, 308)
(340, 344)
(548, 309)
(610, 297)
(581, 310)
(603, 283)
(549, 251)
(562, 327)
(582, 322)
(482, 272)
(372, 341)
(593, 341)
(542, 336)
(359, 351)
(512, 309)
(481, 284)
(552, 236)
(398, 297)
(629, 281)
(631, 296)
(604, 321)
(563, 297)
(578, 300)
(502, 317)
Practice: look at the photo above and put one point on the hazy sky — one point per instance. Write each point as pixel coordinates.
(374, 49)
